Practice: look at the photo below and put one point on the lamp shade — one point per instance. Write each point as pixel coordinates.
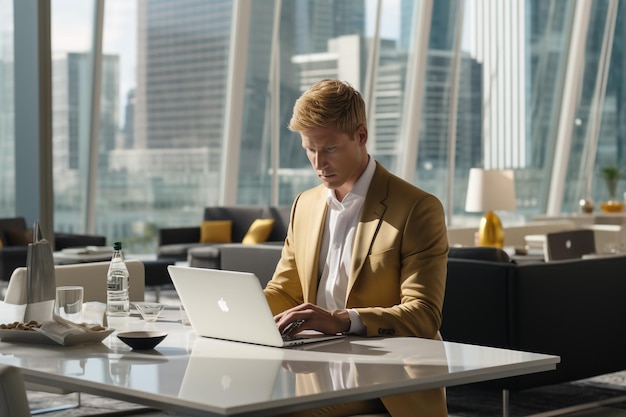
(490, 189)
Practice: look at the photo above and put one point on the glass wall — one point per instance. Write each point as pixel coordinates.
(449, 84)
(72, 29)
(7, 111)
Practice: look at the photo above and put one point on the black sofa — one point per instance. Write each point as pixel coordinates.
(572, 308)
(183, 243)
(15, 236)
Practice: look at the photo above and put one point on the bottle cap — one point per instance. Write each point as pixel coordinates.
(117, 246)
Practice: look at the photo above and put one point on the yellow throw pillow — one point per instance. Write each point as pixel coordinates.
(216, 231)
(258, 232)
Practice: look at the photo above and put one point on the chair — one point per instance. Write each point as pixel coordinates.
(13, 400)
(92, 277)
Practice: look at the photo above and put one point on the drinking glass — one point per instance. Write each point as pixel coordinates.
(183, 316)
(69, 302)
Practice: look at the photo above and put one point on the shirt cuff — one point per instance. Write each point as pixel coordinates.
(356, 324)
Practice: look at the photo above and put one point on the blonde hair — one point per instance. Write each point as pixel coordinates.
(327, 103)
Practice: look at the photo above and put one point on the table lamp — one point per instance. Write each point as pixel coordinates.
(489, 190)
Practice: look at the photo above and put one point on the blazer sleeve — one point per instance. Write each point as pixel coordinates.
(401, 287)
(284, 290)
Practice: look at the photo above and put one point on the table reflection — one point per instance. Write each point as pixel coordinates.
(222, 373)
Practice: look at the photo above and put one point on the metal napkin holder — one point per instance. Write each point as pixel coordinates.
(40, 278)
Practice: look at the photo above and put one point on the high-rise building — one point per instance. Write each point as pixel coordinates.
(317, 21)
(182, 50)
(71, 130)
(385, 128)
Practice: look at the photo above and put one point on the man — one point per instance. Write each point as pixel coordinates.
(366, 252)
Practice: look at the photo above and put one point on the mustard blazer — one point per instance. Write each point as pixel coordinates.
(398, 272)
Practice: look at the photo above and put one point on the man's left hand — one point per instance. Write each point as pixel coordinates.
(315, 318)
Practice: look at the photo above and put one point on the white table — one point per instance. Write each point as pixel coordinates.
(204, 377)
(65, 258)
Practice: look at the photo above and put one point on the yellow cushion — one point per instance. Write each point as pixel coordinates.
(258, 232)
(216, 231)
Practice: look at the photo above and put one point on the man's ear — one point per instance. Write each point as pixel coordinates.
(361, 134)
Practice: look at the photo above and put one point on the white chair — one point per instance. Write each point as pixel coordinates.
(92, 277)
(13, 400)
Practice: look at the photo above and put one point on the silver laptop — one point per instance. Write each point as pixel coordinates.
(231, 305)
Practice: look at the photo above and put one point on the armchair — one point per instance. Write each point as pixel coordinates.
(15, 237)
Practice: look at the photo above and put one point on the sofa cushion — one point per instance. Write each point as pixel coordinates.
(216, 231)
(241, 216)
(177, 251)
(17, 237)
(205, 256)
(258, 232)
(281, 215)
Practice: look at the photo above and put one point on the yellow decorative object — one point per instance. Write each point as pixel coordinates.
(489, 190)
(259, 231)
(612, 206)
(216, 231)
(490, 231)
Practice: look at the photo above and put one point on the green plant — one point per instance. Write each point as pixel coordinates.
(611, 175)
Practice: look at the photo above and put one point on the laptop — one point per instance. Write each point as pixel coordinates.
(569, 244)
(231, 305)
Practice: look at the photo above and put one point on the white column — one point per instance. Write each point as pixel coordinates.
(89, 145)
(235, 91)
(414, 93)
(34, 196)
(569, 102)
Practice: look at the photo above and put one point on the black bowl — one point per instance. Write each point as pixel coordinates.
(142, 340)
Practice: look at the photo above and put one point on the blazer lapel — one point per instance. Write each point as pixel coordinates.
(371, 217)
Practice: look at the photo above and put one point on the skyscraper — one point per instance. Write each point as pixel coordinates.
(71, 129)
(181, 76)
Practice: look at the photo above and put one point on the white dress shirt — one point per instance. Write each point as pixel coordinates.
(342, 219)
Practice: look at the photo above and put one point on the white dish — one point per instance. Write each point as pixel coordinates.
(36, 336)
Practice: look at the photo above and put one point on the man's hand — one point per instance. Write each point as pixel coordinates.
(315, 318)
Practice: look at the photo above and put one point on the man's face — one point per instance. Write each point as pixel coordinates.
(338, 159)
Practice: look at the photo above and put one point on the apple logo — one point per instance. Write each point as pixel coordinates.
(226, 380)
(223, 305)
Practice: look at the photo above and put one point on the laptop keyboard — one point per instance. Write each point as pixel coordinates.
(291, 338)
